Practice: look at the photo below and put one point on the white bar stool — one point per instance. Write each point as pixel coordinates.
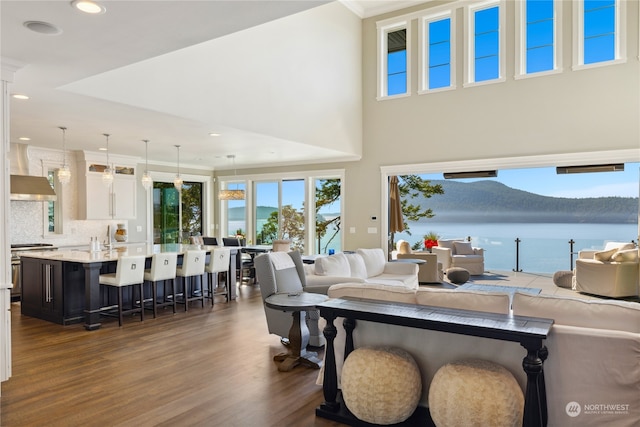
(193, 263)
(163, 268)
(129, 272)
(218, 263)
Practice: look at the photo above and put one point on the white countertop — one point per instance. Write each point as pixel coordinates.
(85, 256)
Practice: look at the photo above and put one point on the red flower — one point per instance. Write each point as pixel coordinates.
(430, 243)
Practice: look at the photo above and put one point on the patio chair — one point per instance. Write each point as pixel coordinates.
(612, 272)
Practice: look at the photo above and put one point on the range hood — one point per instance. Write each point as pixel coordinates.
(31, 188)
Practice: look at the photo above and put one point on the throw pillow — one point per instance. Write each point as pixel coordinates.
(463, 248)
(374, 260)
(333, 265)
(356, 265)
(446, 244)
(604, 256)
(627, 255)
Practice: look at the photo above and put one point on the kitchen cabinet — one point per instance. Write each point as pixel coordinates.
(99, 201)
(52, 290)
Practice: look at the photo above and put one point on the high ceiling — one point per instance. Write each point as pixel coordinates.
(175, 71)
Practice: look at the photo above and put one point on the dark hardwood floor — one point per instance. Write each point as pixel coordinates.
(205, 367)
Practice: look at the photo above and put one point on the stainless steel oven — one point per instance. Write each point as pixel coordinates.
(16, 277)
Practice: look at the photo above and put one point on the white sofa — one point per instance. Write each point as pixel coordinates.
(458, 253)
(594, 347)
(363, 266)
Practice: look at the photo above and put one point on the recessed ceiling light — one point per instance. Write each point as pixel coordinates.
(42, 27)
(214, 134)
(19, 96)
(88, 6)
(24, 138)
(102, 149)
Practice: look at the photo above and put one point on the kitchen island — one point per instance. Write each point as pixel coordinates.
(63, 286)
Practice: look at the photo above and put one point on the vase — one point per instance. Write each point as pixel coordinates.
(121, 233)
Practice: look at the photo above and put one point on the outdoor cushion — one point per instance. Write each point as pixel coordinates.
(463, 248)
(604, 256)
(627, 255)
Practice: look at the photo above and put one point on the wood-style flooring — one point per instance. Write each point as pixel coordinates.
(205, 367)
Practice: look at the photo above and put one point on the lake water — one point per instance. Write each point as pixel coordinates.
(543, 248)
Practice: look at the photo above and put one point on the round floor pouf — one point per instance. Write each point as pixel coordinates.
(458, 275)
(475, 393)
(381, 385)
(563, 278)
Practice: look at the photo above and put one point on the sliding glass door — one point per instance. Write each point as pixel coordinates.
(176, 217)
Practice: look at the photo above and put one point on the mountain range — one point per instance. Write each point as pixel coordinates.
(492, 201)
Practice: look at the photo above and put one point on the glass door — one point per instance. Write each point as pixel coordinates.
(176, 216)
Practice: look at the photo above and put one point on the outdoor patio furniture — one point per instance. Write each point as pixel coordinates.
(459, 253)
(612, 272)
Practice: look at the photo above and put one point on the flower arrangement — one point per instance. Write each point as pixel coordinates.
(430, 240)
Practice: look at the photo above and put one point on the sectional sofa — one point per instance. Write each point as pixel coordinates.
(593, 368)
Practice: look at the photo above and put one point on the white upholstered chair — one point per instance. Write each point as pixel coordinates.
(430, 271)
(163, 270)
(193, 263)
(218, 264)
(612, 272)
(129, 273)
(459, 253)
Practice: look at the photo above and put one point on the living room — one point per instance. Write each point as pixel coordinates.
(576, 115)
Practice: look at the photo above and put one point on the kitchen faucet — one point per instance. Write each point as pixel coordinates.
(109, 242)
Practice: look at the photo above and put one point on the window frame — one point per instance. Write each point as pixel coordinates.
(384, 28)
(521, 41)
(620, 50)
(469, 45)
(58, 213)
(423, 51)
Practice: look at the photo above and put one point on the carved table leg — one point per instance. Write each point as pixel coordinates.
(330, 381)
(534, 411)
(349, 326)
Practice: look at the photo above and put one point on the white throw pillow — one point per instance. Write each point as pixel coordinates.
(446, 244)
(604, 256)
(356, 264)
(374, 261)
(627, 255)
(463, 248)
(333, 265)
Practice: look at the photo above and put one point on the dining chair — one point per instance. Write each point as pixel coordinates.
(129, 274)
(210, 241)
(193, 263)
(244, 261)
(163, 269)
(218, 264)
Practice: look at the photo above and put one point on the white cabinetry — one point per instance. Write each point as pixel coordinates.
(100, 201)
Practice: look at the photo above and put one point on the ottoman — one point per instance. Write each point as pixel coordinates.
(475, 393)
(563, 278)
(381, 385)
(457, 275)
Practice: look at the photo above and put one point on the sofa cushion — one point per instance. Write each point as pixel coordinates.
(446, 244)
(596, 314)
(604, 256)
(625, 255)
(491, 302)
(288, 280)
(374, 260)
(377, 291)
(334, 265)
(357, 266)
(463, 248)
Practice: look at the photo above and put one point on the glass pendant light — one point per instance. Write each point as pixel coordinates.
(236, 194)
(146, 180)
(177, 182)
(64, 173)
(107, 175)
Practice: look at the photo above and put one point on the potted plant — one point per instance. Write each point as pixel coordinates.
(430, 240)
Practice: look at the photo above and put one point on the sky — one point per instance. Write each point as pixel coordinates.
(546, 182)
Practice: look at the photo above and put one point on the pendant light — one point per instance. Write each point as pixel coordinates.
(236, 194)
(64, 173)
(177, 182)
(146, 180)
(107, 175)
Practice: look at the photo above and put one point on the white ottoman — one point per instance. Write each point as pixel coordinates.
(381, 385)
(475, 393)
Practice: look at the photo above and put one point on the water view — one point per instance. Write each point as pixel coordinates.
(544, 247)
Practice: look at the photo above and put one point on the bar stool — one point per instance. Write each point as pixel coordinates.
(193, 263)
(218, 263)
(163, 268)
(129, 273)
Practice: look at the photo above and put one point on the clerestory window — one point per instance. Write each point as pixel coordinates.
(537, 37)
(393, 68)
(438, 52)
(599, 32)
(484, 27)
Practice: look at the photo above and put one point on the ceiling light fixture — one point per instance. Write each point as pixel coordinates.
(146, 180)
(107, 175)
(19, 96)
(64, 173)
(177, 182)
(236, 194)
(24, 138)
(214, 134)
(88, 6)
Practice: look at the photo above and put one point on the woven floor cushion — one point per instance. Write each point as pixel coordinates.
(458, 275)
(381, 385)
(475, 393)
